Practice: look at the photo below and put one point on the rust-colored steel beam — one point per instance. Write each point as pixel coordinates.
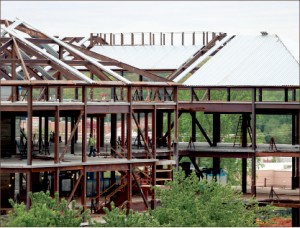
(121, 64)
(74, 188)
(141, 133)
(196, 56)
(6, 45)
(71, 136)
(25, 29)
(17, 50)
(141, 190)
(97, 72)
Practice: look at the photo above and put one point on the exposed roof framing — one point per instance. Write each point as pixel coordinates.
(40, 53)
(123, 65)
(197, 55)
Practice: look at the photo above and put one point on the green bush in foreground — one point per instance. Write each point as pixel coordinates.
(189, 202)
(47, 212)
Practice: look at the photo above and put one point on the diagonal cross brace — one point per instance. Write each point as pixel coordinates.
(141, 133)
(71, 136)
(203, 132)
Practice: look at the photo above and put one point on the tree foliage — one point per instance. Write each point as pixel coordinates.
(190, 202)
(46, 211)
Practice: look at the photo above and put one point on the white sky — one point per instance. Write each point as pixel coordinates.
(80, 18)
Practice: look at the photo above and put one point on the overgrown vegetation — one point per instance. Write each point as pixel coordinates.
(45, 211)
(190, 202)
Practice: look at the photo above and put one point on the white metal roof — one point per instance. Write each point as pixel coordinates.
(249, 61)
(150, 57)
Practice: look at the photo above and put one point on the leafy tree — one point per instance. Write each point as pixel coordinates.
(190, 202)
(120, 218)
(46, 211)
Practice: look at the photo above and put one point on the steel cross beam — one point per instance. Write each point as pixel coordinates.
(203, 131)
(121, 64)
(141, 133)
(71, 136)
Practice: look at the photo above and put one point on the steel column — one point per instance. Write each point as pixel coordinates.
(113, 133)
(66, 130)
(175, 144)
(129, 186)
(253, 183)
(46, 131)
(40, 134)
(295, 217)
(216, 128)
(102, 131)
(83, 190)
(56, 180)
(73, 138)
(28, 189)
(29, 126)
(98, 134)
(193, 114)
(83, 122)
(244, 175)
(56, 135)
(123, 130)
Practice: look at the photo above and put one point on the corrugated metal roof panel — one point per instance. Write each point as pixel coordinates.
(149, 57)
(249, 61)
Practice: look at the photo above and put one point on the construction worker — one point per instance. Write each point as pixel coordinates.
(91, 144)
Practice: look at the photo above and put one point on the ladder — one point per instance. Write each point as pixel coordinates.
(239, 130)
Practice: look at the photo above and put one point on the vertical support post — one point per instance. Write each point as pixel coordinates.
(253, 185)
(129, 187)
(244, 175)
(28, 189)
(228, 94)
(172, 38)
(123, 130)
(29, 126)
(40, 134)
(193, 38)
(169, 131)
(98, 185)
(14, 89)
(138, 134)
(176, 129)
(56, 135)
(216, 128)
(92, 126)
(46, 131)
(245, 119)
(260, 94)
(153, 193)
(83, 122)
(193, 114)
(56, 180)
(113, 131)
(295, 217)
(182, 38)
(146, 129)
(129, 125)
(286, 94)
(98, 134)
(83, 189)
(73, 139)
(102, 132)
(159, 128)
(66, 130)
(216, 167)
(154, 132)
(143, 39)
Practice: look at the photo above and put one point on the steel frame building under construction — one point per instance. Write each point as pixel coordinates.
(71, 83)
